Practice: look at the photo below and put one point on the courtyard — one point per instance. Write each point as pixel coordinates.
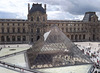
(14, 54)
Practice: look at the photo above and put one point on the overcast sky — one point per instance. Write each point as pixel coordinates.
(56, 9)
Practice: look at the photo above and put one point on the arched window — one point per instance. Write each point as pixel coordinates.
(37, 18)
(2, 38)
(8, 38)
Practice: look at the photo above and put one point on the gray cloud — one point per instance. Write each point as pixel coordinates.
(7, 15)
(76, 7)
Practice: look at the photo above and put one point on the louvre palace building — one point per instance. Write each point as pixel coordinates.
(36, 24)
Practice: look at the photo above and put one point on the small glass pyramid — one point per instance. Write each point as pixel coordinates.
(55, 50)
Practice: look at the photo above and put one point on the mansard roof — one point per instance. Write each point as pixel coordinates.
(88, 16)
(37, 7)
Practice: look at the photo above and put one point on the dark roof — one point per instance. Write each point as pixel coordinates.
(37, 7)
(88, 15)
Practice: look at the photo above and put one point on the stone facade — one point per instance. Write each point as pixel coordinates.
(36, 24)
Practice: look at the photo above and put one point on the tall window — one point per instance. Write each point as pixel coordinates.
(24, 38)
(18, 24)
(63, 29)
(75, 37)
(8, 30)
(13, 30)
(79, 37)
(74, 29)
(2, 24)
(13, 38)
(93, 29)
(8, 38)
(38, 30)
(2, 38)
(2, 30)
(66, 29)
(71, 37)
(84, 36)
(24, 30)
(43, 18)
(31, 30)
(37, 18)
(18, 30)
(31, 18)
(18, 38)
(70, 29)
(38, 37)
(7, 24)
(23, 24)
(13, 24)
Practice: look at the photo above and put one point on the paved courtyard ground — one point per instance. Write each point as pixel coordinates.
(90, 48)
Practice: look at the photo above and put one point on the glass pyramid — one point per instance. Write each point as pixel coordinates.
(55, 50)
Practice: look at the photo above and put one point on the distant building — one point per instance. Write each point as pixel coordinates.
(36, 24)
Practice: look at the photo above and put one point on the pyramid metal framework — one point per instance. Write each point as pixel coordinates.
(55, 50)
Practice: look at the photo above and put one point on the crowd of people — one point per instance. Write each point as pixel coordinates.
(93, 51)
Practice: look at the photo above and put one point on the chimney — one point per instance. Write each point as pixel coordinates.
(28, 7)
(45, 7)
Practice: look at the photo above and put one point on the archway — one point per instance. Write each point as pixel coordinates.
(2, 38)
(8, 39)
(38, 37)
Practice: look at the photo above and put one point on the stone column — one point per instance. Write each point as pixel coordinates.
(21, 38)
(16, 38)
(10, 38)
(5, 39)
(0, 38)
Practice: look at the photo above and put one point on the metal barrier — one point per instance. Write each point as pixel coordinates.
(17, 68)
